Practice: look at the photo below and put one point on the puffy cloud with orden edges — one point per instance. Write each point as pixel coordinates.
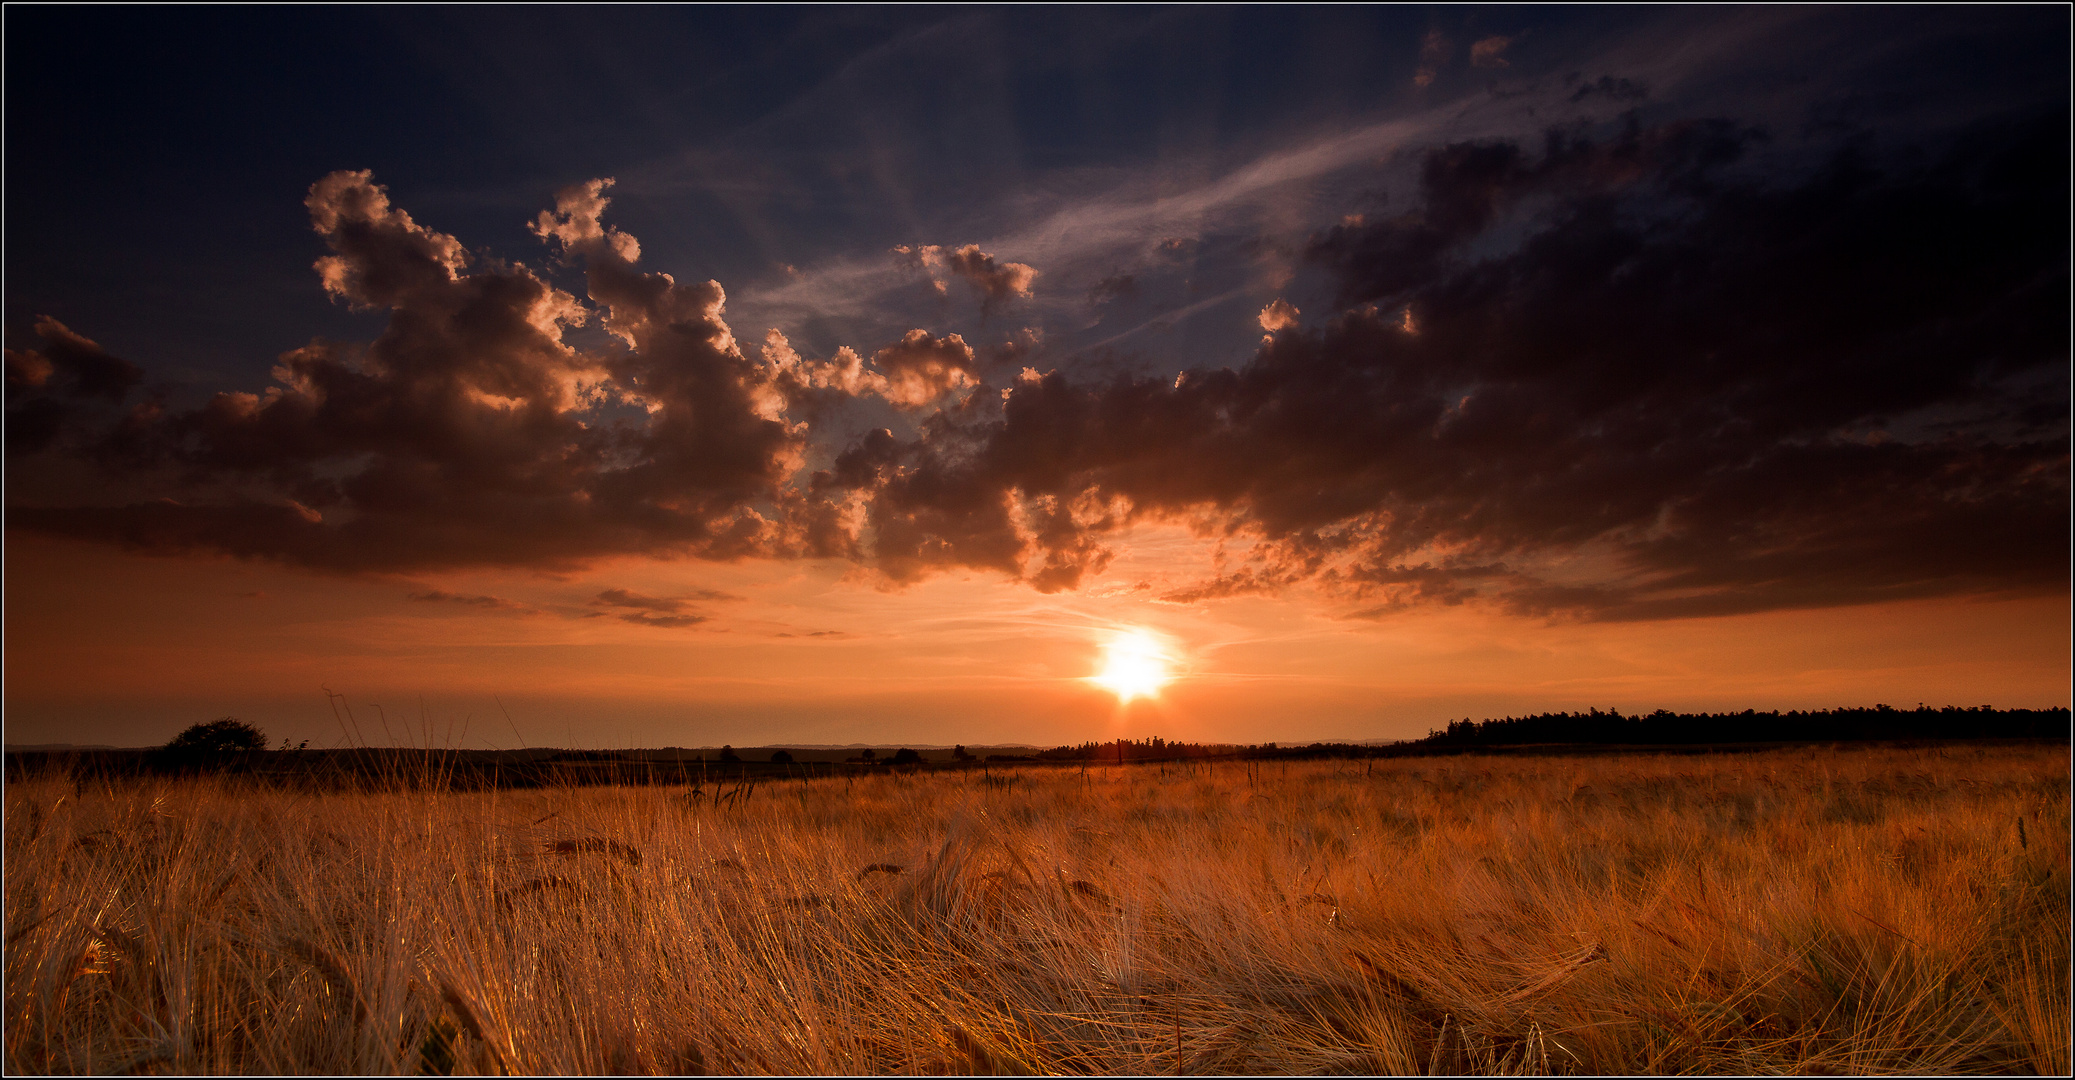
(996, 281)
(469, 432)
(916, 371)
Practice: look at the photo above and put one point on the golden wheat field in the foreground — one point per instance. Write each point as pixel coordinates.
(1862, 911)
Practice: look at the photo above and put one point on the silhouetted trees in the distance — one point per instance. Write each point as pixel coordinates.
(1820, 725)
(1610, 728)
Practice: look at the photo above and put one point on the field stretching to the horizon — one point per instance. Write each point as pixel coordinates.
(1860, 910)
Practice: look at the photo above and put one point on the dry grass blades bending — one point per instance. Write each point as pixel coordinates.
(1865, 911)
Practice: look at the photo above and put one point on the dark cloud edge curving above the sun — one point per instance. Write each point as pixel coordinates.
(1618, 376)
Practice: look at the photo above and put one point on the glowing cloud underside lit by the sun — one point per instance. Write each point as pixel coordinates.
(1133, 667)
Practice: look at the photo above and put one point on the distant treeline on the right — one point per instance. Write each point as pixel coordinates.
(1820, 725)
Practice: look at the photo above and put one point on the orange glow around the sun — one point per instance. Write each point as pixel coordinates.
(1134, 666)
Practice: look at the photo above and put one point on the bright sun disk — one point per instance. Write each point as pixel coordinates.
(1134, 667)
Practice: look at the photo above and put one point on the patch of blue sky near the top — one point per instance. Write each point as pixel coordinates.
(156, 205)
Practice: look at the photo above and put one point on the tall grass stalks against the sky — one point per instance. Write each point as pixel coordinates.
(1880, 910)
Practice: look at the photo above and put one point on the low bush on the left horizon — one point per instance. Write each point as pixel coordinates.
(212, 747)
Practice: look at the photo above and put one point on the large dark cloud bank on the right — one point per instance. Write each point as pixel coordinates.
(1740, 394)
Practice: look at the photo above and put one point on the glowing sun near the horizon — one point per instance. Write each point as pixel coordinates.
(1134, 666)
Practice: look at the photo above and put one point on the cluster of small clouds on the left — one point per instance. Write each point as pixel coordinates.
(470, 432)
